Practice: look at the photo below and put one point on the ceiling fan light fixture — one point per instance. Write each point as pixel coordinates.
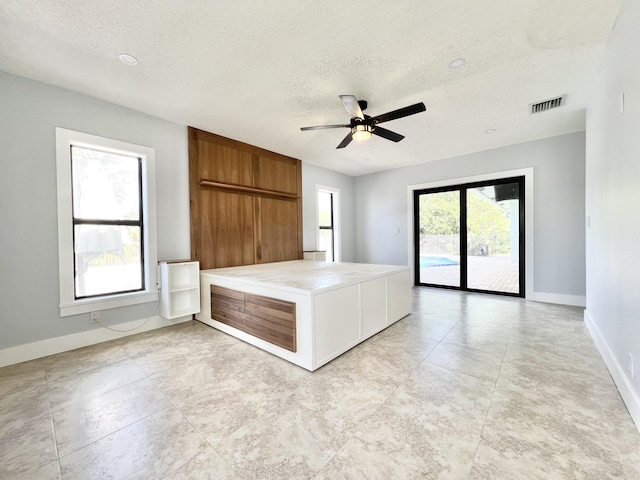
(361, 132)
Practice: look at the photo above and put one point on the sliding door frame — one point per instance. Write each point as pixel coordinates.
(527, 173)
(463, 234)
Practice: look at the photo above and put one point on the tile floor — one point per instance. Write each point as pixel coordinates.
(467, 387)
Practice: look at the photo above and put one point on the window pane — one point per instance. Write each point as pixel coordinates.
(108, 259)
(439, 246)
(105, 185)
(326, 243)
(324, 209)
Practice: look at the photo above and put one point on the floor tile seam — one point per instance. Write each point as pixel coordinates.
(229, 465)
(50, 380)
(49, 377)
(55, 443)
(204, 438)
(111, 433)
(491, 402)
(167, 397)
(337, 452)
(64, 406)
(470, 347)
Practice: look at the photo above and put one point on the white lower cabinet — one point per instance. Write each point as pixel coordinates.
(179, 288)
(374, 306)
(337, 325)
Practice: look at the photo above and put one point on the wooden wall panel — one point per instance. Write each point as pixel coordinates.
(245, 203)
(279, 230)
(227, 231)
(276, 174)
(223, 164)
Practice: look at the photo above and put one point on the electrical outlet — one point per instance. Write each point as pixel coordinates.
(95, 317)
(631, 372)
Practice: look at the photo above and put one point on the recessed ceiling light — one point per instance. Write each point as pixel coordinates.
(491, 130)
(457, 64)
(128, 59)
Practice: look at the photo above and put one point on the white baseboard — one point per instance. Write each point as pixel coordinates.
(51, 346)
(627, 392)
(573, 300)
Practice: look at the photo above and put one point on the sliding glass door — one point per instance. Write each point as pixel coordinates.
(471, 237)
(439, 238)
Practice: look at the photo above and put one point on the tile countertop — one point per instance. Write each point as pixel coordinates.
(304, 276)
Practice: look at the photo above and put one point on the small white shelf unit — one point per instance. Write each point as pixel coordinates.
(179, 288)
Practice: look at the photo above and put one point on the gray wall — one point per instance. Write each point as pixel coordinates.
(612, 200)
(29, 285)
(312, 176)
(558, 162)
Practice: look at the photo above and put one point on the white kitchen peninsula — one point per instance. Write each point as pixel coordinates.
(336, 305)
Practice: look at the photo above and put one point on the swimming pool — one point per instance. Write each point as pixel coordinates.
(429, 261)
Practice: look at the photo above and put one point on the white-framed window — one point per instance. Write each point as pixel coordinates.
(328, 221)
(106, 223)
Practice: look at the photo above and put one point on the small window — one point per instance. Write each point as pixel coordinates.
(328, 232)
(106, 223)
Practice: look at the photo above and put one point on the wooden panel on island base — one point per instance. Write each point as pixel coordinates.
(271, 319)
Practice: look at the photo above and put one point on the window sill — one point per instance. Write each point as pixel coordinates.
(103, 303)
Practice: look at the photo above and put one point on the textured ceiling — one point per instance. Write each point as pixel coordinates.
(258, 71)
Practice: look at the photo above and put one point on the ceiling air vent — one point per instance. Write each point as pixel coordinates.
(547, 104)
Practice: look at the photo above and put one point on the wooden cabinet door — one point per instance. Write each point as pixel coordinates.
(227, 229)
(219, 163)
(277, 174)
(277, 230)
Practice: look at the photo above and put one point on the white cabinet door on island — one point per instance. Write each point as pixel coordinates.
(337, 305)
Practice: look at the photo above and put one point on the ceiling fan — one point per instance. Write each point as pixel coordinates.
(363, 126)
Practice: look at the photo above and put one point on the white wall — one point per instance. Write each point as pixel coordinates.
(558, 163)
(312, 176)
(29, 113)
(30, 323)
(612, 200)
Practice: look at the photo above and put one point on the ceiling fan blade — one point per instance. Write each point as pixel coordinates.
(351, 104)
(388, 134)
(346, 141)
(401, 112)
(322, 127)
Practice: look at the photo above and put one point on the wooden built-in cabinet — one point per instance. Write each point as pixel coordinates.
(246, 203)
